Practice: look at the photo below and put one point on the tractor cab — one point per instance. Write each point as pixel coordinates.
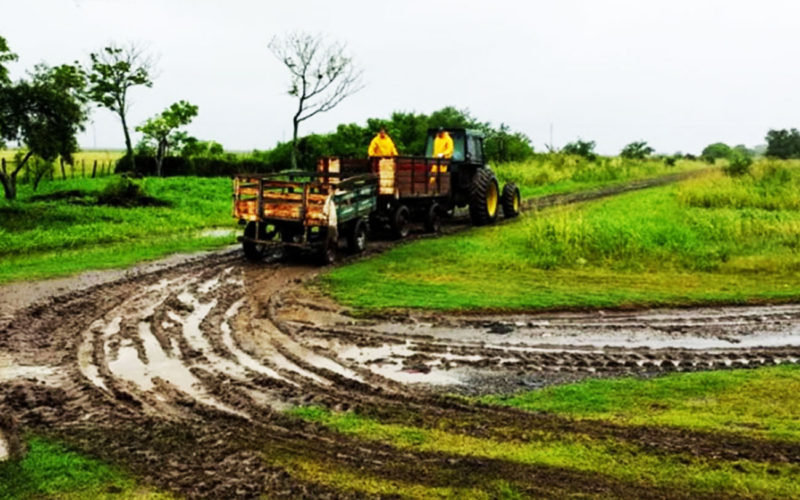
(467, 145)
(473, 183)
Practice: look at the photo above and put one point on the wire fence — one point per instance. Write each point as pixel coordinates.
(37, 170)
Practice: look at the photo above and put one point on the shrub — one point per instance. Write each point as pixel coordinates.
(124, 192)
(716, 151)
(638, 150)
(738, 163)
(580, 148)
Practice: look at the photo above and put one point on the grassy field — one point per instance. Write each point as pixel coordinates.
(712, 239)
(53, 236)
(52, 471)
(717, 402)
(558, 173)
(752, 403)
(82, 165)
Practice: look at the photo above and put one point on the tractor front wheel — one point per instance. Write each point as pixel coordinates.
(483, 197)
(511, 200)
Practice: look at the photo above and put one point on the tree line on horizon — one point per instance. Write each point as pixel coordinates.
(44, 112)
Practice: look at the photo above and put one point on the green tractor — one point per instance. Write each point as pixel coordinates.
(473, 183)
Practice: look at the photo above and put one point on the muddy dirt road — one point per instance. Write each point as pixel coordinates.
(180, 374)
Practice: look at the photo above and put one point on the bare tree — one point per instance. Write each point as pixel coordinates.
(322, 75)
(113, 71)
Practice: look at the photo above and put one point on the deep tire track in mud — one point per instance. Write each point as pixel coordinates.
(181, 376)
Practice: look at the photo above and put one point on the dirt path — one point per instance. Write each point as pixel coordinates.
(180, 374)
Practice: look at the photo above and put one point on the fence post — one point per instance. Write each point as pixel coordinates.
(83, 169)
(94, 169)
(63, 172)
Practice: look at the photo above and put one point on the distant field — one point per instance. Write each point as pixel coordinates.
(558, 173)
(83, 162)
(707, 240)
(51, 237)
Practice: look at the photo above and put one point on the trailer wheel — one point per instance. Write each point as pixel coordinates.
(483, 197)
(290, 235)
(511, 200)
(327, 254)
(401, 222)
(256, 251)
(357, 242)
(433, 219)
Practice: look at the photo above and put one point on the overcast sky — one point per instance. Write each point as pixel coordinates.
(678, 73)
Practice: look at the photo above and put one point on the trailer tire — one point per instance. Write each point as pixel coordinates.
(401, 222)
(327, 254)
(290, 236)
(511, 200)
(357, 242)
(253, 251)
(483, 197)
(433, 219)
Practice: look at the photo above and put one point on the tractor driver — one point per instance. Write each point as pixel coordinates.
(382, 145)
(443, 144)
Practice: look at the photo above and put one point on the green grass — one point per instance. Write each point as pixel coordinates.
(713, 239)
(51, 471)
(602, 456)
(559, 174)
(754, 403)
(47, 238)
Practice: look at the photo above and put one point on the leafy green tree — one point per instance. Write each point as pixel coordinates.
(502, 145)
(636, 150)
(783, 143)
(43, 114)
(161, 129)
(5, 56)
(716, 151)
(194, 148)
(580, 148)
(112, 73)
(322, 75)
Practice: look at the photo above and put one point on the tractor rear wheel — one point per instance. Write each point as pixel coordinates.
(357, 242)
(401, 222)
(433, 219)
(256, 251)
(483, 197)
(511, 200)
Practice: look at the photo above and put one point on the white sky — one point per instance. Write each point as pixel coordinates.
(678, 73)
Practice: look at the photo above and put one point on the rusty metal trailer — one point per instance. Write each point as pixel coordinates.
(410, 188)
(297, 210)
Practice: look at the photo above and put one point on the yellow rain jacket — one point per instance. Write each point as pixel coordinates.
(443, 146)
(382, 146)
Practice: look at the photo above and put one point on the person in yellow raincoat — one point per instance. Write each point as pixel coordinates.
(443, 145)
(442, 148)
(382, 145)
